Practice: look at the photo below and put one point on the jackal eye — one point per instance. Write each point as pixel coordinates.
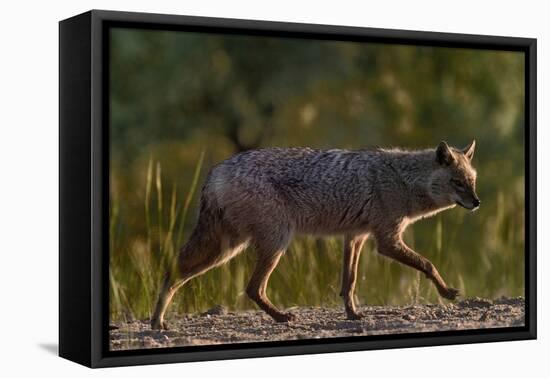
(457, 183)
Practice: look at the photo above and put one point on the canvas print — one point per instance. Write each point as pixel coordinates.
(267, 188)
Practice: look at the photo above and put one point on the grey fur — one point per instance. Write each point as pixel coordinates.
(264, 197)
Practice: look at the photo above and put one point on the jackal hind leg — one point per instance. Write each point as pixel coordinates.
(256, 289)
(352, 252)
(194, 260)
(270, 242)
(399, 251)
(166, 294)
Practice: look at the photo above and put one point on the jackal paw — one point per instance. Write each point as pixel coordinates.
(353, 315)
(159, 325)
(450, 293)
(284, 317)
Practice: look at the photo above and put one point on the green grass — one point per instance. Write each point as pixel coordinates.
(479, 253)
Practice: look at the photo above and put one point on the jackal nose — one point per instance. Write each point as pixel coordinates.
(476, 202)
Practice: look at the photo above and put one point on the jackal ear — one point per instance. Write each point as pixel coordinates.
(443, 154)
(469, 150)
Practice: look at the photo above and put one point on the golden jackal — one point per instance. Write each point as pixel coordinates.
(263, 197)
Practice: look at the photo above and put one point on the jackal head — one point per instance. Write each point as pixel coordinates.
(453, 180)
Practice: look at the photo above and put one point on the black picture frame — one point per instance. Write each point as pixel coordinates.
(84, 191)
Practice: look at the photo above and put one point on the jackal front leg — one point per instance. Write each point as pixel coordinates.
(352, 251)
(398, 250)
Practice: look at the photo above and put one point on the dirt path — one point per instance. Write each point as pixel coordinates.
(220, 326)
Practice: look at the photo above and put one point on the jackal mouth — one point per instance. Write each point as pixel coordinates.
(471, 208)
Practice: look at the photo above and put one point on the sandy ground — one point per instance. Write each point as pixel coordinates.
(218, 325)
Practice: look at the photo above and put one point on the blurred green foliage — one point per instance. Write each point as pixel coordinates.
(181, 102)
